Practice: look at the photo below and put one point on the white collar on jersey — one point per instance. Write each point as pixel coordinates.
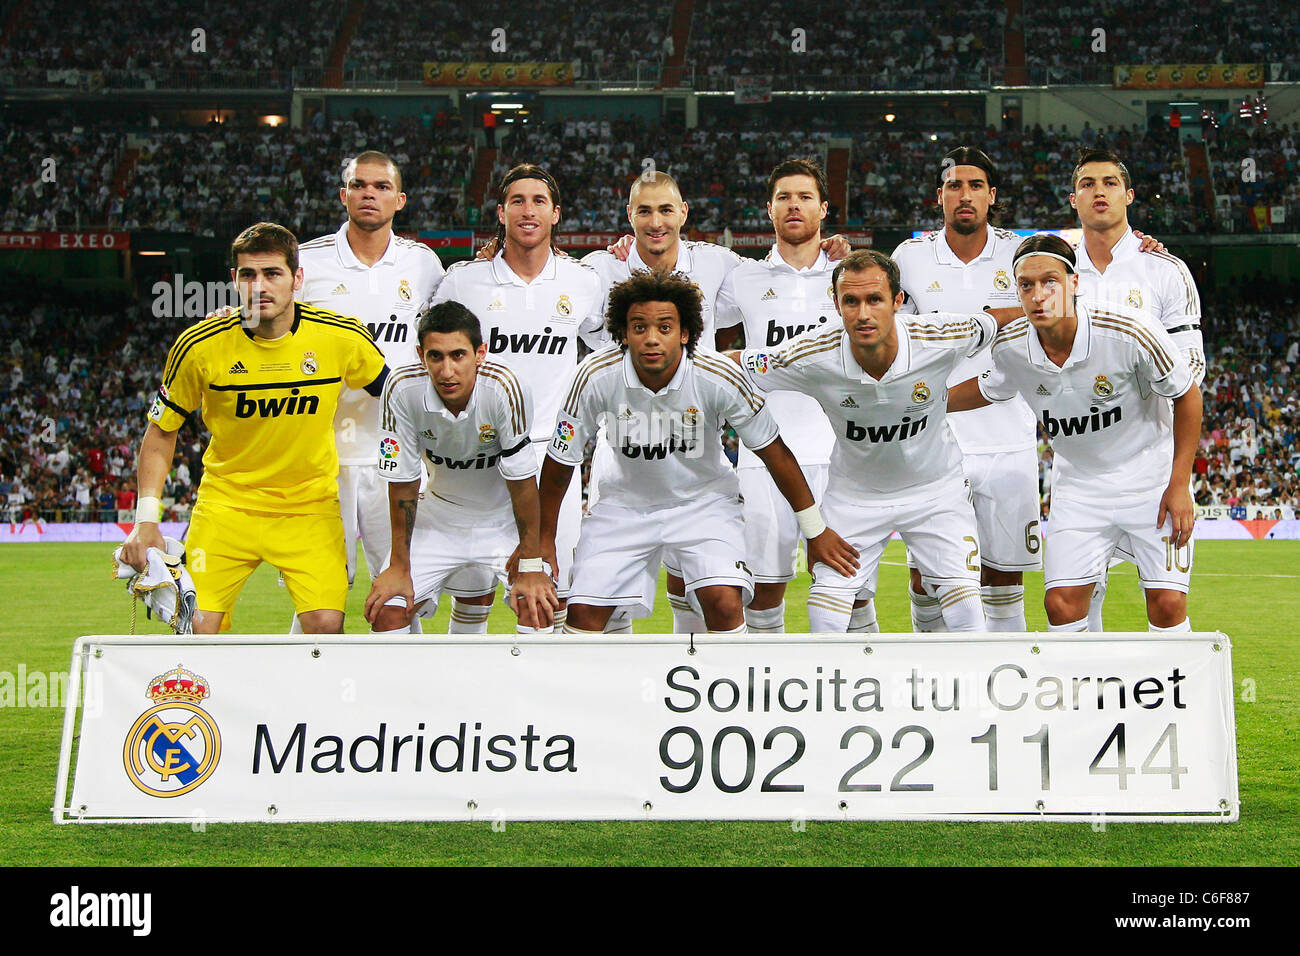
(774, 259)
(684, 261)
(901, 365)
(944, 255)
(507, 276)
(1128, 247)
(631, 380)
(1079, 351)
(349, 258)
(434, 405)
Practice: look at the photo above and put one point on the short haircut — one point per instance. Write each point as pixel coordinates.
(798, 167)
(863, 259)
(371, 156)
(654, 179)
(650, 285)
(446, 318)
(525, 171)
(967, 156)
(265, 237)
(1099, 156)
(1046, 243)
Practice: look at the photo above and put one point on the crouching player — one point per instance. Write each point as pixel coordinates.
(670, 495)
(468, 419)
(1097, 376)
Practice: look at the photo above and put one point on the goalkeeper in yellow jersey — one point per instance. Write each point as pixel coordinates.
(267, 380)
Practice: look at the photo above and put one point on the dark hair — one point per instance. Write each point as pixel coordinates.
(863, 259)
(371, 156)
(967, 156)
(525, 171)
(649, 285)
(1045, 242)
(265, 237)
(446, 318)
(799, 167)
(1099, 156)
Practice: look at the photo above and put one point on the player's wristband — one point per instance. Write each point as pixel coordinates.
(810, 521)
(149, 510)
(529, 565)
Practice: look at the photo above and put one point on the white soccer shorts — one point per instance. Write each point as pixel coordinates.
(475, 581)
(771, 531)
(621, 549)
(1083, 536)
(938, 526)
(441, 547)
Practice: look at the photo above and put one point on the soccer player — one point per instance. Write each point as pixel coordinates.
(267, 379)
(366, 271)
(672, 495)
(964, 267)
(468, 419)
(1116, 272)
(776, 299)
(880, 379)
(535, 306)
(1099, 376)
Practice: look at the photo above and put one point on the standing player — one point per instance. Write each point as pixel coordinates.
(469, 418)
(670, 496)
(366, 271)
(777, 298)
(1101, 376)
(267, 379)
(965, 267)
(536, 305)
(880, 380)
(1114, 271)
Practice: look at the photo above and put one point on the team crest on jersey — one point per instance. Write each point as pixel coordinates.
(388, 448)
(1102, 387)
(1134, 298)
(830, 292)
(496, 305)
(920, 393)
(486, 434)
(308, 363)
(563, 305)
(690, 416)
(1001, 281)
(174, 745)
(756, 362)
(404, 291)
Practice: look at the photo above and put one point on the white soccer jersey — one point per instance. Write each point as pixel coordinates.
(1101, 410)
(386, 298)
(704, 263)
(531, 327)
(935, 280)
(1155, 282)
(469, 456)
(776, 303)
(891, 435)
(665, 443)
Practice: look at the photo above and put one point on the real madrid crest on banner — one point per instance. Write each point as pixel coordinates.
(1102, 387)
(404, 291)
(1001, 281)
(308, 363)
(920, 393)
(1134, 298)
(563, 305)
(174, 745)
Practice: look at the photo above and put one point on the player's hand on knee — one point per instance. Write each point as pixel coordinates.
(1177, 504)
(836, 247)
(830, 549)
(391, 583)
(143, 536)
(534, 600)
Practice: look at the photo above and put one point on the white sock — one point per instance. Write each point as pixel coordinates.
(620, 622)
(961, 606)
(560, 620)
(1004, 606)
(863, 619)
(295, 626)
(829, 610)
(1094, 606)
(734, 630)
(1185, 626)
(1079, 625)
(766, 621)
(570, 629)
(468, 618)
(686, 620)
(926, 614)
(525, 629)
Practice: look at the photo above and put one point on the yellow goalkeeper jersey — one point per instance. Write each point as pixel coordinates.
(269, 406)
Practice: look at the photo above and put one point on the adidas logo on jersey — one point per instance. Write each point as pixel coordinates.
(428, 433)
(849, 403)
(238, 369)
(1042, 390)
(340, 289)
(769, 294)
(934, 287)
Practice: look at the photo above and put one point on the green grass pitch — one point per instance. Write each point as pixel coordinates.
(1250, 590)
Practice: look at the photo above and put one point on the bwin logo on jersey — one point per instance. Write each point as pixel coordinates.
(393, 330)
(479, 463)
(291, 404)
(175, 745)
(898, 431)
(1078, 424)
(778, 333)
(541, 343)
